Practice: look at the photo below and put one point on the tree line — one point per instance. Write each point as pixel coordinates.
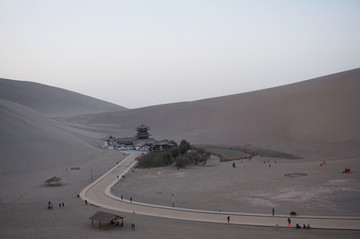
(181, 156)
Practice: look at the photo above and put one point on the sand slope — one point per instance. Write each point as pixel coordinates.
(33, 147)
(312, 113)
(39, 140)
(52, 101)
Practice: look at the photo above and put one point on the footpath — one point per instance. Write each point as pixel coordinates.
(99, 194)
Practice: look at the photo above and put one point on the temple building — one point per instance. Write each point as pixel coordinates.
(142, 132)
(141, 141)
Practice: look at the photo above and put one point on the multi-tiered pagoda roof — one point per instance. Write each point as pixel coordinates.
(142, 132)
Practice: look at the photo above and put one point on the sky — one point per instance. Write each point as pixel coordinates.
(143, 53)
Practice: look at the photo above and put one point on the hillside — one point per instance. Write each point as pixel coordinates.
(52, 101)
(311, 113)
(35, 146)
(318, 115)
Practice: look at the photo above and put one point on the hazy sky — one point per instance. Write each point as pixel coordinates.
(140, 53)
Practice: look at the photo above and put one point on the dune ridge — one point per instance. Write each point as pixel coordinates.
(52, 101)
(46, 131)
(312, 112)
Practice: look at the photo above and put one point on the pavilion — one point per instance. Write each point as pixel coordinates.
(54, 181)
(104, 219)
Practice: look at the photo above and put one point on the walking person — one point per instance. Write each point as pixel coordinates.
(228, 219)
(273, 211)
(289, 222)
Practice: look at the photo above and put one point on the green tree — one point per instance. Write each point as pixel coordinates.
(175, 152)
(166, 159)
(182, 162)
(193, 156)
(184, 146)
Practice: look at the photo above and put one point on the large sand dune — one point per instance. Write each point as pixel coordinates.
(314, 114)
(51, 101)
(46, 130)
(34, 147)
(33, 144)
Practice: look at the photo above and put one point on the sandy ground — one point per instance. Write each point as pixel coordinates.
(29, 218)
(252, 186)
(320, 117)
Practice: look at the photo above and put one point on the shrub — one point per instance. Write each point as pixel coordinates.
(166, 159)
(182, 162)
(184, 146)
(175, 152)
(154, 160)
(182, 155)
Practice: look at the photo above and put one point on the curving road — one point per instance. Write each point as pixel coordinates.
(98, 193)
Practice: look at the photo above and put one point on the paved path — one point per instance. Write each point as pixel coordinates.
(98, 193)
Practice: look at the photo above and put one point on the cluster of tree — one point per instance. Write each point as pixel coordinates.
(187, 154)
(181, 156)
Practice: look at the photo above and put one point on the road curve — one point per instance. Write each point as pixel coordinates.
(99, 194)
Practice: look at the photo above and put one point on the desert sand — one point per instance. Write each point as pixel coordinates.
(219, 186)
(316, 120)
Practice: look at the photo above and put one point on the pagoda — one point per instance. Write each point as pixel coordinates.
(142, 132)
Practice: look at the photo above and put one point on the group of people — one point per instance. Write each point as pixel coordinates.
(122, 198)
(50, 205)
(304, 226)
(346, 170)
(298, 225)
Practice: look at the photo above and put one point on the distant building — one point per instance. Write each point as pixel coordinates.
(141, 141)
(109, 142)
(142, 132)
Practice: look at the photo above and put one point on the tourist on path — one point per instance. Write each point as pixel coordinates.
(273, 211)
(228, 219)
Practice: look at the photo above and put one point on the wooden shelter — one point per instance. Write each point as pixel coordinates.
(104, 219)
(54, 181)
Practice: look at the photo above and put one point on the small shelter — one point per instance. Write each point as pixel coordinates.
(104, 219)
(54, 181)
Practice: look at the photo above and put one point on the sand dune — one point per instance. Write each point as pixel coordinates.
(34, 147)
(52, 101)
(317, 113)
(45, 130)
